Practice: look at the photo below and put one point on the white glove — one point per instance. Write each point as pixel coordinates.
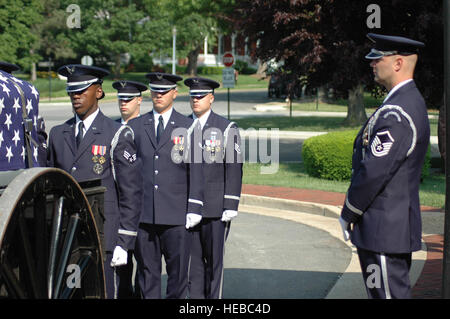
(228, 215)
(192, 220)
(344, 226)
(120, 257)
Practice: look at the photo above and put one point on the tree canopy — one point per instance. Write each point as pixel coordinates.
(16, 36)
(325, 41)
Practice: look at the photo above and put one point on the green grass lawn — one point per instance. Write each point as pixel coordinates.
(432, 189)
(308, 124)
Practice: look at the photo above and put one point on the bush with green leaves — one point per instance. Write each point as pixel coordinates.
(329, 156)
(209, 70)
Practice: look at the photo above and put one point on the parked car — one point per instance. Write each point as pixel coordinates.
(276, 86)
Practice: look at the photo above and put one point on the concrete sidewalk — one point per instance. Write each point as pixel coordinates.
(321, 209)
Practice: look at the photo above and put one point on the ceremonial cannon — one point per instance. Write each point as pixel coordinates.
(50, 245)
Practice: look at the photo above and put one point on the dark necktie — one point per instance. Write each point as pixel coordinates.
(80, 133)
(160, 129)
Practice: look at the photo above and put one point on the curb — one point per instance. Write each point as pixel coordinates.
(350, 285)
(291, 205)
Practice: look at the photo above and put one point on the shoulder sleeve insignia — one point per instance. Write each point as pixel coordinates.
(382, 143)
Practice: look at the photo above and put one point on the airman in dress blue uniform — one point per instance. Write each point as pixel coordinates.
(381, 213)
(173, 189)
(129, 94)
(93, 146)
(222, 171)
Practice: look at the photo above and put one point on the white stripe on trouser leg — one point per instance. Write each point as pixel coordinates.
(227, 226)
(115, 283)
(384, 274)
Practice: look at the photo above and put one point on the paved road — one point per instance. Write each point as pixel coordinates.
(268, 257)
(273, 258)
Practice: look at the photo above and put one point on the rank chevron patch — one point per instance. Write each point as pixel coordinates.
(382, 143)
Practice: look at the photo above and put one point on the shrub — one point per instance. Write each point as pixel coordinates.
(45, 74)
(209, 70)
(329, 156)
(243, 68)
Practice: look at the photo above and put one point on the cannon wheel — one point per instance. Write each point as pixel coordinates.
(49, 242)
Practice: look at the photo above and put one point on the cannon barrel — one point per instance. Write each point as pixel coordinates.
(51, 234)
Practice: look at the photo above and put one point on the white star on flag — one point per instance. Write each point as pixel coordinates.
(1, 138)
(8, 121)
(16, 104)
(17, 80)
(29, 106)
(9, 154)
(16, 137)
(33, 91)
(2, 105)
(2, 78)
(5, 88)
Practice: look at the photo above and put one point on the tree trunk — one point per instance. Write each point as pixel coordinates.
(192, 61)
(356, 113)
(33, 72)
(33, 75)
(117, 66)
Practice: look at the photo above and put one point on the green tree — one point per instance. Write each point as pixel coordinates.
(52, 34)
(16, 36)
(196, 20)
(325, 41)
(111, 28)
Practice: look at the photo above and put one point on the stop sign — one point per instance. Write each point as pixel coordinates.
(228, 59)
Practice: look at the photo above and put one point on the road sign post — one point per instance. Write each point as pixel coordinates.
(228, 79)
(48, 64)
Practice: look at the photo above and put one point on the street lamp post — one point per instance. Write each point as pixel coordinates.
(174, 41)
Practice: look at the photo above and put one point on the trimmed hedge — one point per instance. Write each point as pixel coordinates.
(329, 156)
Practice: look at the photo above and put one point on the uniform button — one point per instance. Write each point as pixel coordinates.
(156, 186)
(156, 156)
(73, 169)
(156, 172)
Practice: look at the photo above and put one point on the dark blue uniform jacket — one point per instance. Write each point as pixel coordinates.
(222, 171)
(383, 198)
(123, 194)
(172, 184)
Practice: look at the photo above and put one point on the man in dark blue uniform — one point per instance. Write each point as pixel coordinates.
(222, 170)
(382, 202)
(93, 146)
(173, 189)
(129, 94)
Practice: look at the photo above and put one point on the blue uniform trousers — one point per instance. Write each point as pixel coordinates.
(206, 262)
(172, 242)
(386, 276)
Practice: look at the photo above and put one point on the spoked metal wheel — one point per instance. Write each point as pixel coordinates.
(49, 242)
